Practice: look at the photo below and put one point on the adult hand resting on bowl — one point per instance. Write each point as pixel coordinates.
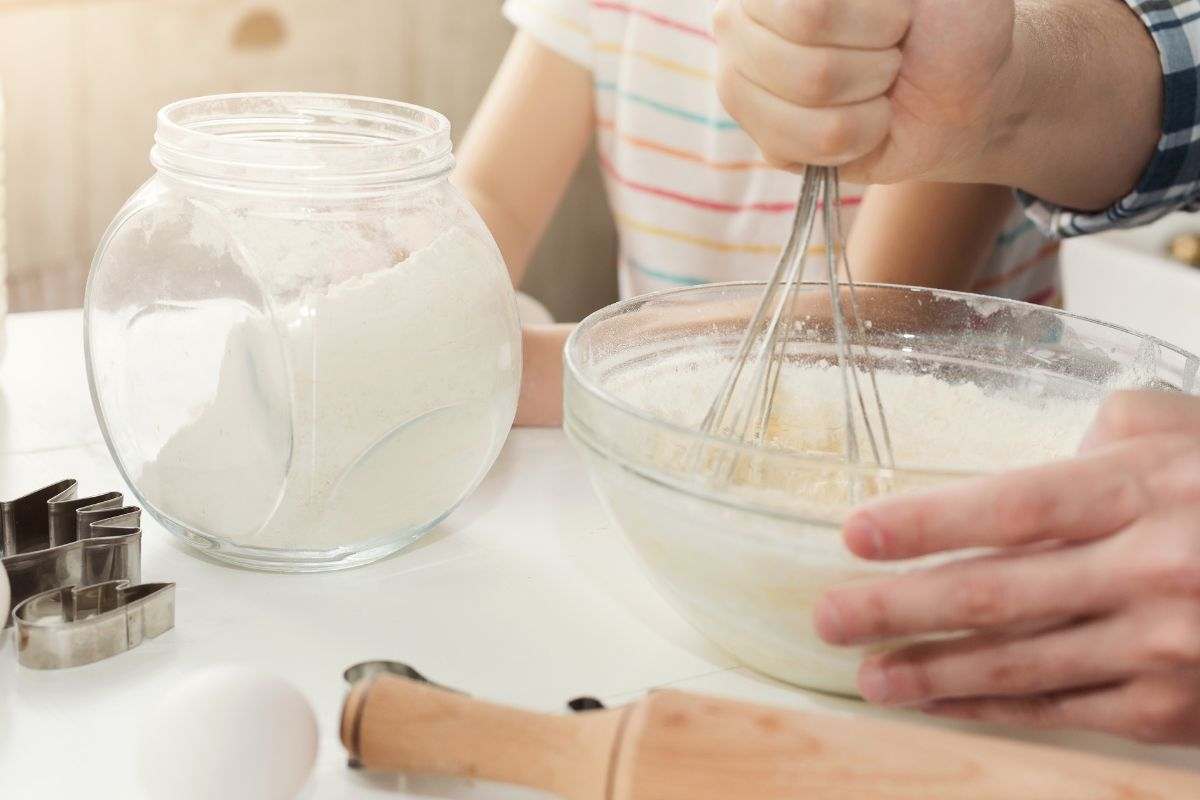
(1086, 616)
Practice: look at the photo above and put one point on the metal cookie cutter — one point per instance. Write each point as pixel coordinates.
(366, 670)
(51, 538)
(75, 625)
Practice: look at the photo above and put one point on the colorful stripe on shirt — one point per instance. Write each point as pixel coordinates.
(670, 65)
(1016, 232)
(720, 123)
(719, 245)
(781, 207)
(784, 207)
(554, 16)
(644, 143)
(1050, 296)
(1016, 271)
(662, 275)
(658, 19)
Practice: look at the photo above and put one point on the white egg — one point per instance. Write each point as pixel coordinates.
(231, 733)
(5, 597)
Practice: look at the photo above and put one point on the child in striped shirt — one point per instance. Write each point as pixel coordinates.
(693, 200)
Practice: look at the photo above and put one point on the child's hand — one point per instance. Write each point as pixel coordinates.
(1086, 616)
(540, 404)
(889, 90)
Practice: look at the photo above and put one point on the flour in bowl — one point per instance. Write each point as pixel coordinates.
(746, 560)
(935, 424)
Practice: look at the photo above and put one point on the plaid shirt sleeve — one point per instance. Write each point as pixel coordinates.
(1171, 181)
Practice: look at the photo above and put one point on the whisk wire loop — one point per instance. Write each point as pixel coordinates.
(742, 407)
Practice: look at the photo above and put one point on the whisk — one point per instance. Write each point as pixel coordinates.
(742, 408)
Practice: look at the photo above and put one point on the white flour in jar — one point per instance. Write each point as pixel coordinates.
(399, 387)
(748, 579)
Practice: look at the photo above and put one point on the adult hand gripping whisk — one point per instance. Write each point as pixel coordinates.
(742, 408)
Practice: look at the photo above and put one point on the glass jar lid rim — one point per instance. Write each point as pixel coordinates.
(168, 122)
(304, 137)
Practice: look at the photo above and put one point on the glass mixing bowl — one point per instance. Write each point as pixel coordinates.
(745, 560)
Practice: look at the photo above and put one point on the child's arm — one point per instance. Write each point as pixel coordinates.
(927, 234)
(514, 165)
(524, 144)
(540, 404)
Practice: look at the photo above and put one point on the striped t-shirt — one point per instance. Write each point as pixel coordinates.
(693, 199)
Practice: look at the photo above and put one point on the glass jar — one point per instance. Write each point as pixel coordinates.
(302, 343)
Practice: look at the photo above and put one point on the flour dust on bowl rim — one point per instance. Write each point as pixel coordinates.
(302, 343)
(971, 385)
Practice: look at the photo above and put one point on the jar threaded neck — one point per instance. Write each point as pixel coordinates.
(297, 141)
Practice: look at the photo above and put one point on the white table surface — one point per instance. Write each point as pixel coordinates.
(525, 595)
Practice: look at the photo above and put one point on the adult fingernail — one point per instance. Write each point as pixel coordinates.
(863, 536)
(829, 623)
(890, 682)
(873, 683)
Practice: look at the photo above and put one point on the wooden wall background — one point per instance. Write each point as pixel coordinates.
(83, 79)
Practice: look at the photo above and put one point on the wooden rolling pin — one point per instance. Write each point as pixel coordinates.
(677, 746)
